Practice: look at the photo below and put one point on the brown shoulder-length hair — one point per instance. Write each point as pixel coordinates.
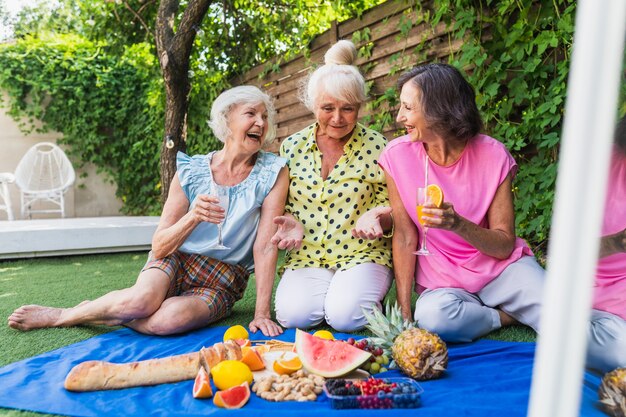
(447, 100)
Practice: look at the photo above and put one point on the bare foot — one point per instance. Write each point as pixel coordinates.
(505, 319)
(31, 317)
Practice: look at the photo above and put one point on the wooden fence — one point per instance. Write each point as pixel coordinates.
(389, 41)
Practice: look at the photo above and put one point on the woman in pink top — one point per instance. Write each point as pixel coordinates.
(479, 276)
(607, 332)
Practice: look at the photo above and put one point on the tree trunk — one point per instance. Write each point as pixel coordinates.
(174, 50)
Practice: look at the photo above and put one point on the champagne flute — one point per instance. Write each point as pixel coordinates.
(222, 194)
(422, 198)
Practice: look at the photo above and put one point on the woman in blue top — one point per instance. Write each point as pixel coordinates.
(187, 283)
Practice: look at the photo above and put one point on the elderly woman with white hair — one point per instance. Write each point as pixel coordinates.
(339, 259)
(187, 282)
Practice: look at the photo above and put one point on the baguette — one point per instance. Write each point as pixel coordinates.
(100, 375)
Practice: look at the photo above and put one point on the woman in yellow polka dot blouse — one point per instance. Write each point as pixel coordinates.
(337, 215)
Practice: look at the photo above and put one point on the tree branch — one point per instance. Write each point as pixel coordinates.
(190, 22)
(138, 17)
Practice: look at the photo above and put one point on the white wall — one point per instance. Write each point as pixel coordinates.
(91, 196)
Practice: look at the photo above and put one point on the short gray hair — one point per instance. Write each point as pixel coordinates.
(244, 94)
(337, 77)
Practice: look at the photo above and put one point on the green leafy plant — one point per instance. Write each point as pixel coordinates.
(520, 74)
(108, 108)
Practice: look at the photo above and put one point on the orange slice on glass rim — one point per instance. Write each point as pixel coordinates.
(435, 194)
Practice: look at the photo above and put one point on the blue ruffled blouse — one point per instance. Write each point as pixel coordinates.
(244, 209)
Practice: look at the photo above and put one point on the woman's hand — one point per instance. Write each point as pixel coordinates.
(207, 209)
(289, 234)
(368, 226)
(444, 217)
(266, 325)
(497, 239)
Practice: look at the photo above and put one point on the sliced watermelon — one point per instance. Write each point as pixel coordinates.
(328, 358)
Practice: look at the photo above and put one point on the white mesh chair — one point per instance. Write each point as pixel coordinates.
(43, 175)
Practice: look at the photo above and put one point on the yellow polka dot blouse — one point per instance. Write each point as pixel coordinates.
(329, 208)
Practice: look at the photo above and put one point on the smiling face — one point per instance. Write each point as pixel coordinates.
(410, 113)
(337, 119)
(248, 125)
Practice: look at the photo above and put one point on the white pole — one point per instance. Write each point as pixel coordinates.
(585, 150)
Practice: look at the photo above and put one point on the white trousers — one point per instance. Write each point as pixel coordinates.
(457, 315)
(607, 341)
(307, 296)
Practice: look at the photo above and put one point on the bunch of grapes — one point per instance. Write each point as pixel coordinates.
(378, 362)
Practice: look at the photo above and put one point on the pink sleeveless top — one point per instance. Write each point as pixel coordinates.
(470, 184)
(610, 285)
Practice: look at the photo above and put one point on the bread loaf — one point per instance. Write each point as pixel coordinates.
(100, 375)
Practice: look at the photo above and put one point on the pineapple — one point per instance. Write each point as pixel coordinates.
(417, 352)
(612, 393)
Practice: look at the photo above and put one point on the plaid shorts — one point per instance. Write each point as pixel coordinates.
(219, 284)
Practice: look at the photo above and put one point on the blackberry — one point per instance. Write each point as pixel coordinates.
(340, 391)
(335, 383)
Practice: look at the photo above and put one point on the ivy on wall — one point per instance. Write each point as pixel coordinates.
(520, 75)
(108, 108)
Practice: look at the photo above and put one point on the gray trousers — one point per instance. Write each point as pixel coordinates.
(607, 341)
(457, 315)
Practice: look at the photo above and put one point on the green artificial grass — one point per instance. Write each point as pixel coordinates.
(66, 281)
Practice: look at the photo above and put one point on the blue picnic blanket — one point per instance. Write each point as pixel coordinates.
(484, 378)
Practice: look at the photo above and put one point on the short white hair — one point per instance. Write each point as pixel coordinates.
(244, 94)
(337, 77)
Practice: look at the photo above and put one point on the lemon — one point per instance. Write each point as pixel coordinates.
(236, 332)
(324, 334)
(228, 374)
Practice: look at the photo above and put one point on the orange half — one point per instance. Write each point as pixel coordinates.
(435, 194)
(287, 367)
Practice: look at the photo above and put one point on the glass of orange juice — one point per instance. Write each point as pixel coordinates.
(423, 198)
